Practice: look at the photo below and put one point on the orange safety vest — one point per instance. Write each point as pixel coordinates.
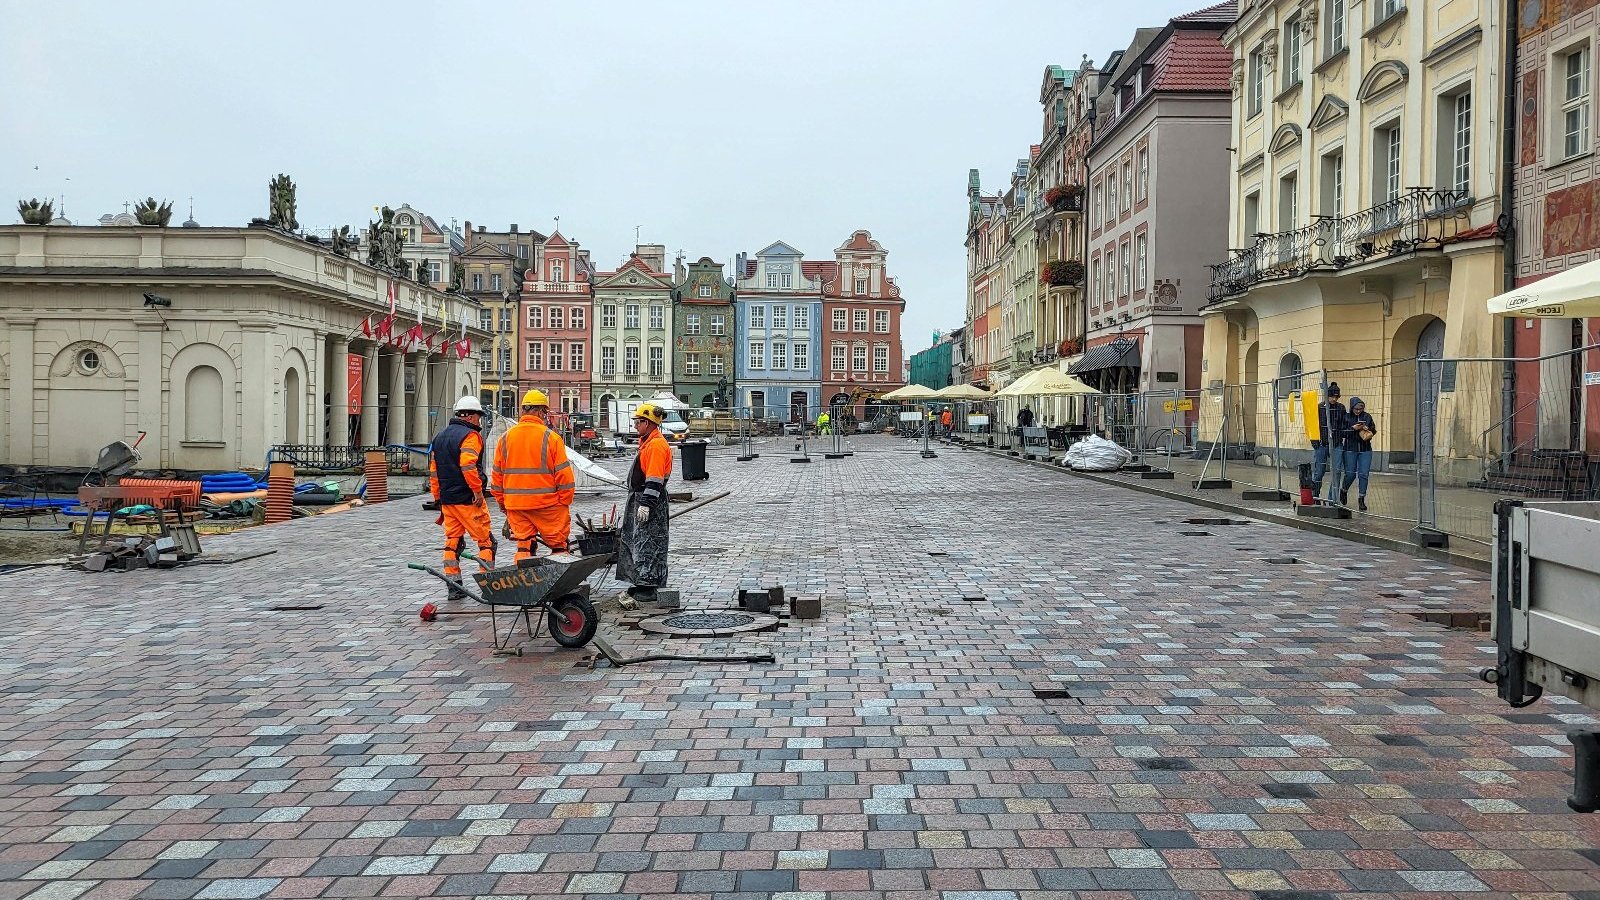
(652, 467)
(531, 470)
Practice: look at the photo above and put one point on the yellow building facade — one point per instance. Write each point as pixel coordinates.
(1364, 200)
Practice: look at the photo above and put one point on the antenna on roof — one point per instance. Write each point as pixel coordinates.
(558, 223)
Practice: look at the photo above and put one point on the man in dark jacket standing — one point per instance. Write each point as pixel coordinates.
(1325, 453)
(455, 478)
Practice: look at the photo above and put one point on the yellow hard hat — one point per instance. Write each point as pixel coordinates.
(650, 412)
(535, 398)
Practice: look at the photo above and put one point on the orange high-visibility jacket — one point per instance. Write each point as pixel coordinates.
(531, 470)
(651, 467)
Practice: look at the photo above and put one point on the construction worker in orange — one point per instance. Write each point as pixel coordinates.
(455, 477)
(642, 550)
(533, 481)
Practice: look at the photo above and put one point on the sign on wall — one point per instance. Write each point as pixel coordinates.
(353, 381)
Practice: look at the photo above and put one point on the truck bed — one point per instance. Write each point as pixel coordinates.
(1547, 599)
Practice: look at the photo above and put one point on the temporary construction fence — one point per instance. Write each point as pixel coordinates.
(1450, 436)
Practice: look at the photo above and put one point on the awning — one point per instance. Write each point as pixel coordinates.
(1571, 294)
(1120, 353)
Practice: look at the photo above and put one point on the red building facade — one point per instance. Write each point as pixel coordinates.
(861, 307)
(554, 347)
(1557, 195)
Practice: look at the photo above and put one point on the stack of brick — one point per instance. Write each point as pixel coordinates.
(139, 553)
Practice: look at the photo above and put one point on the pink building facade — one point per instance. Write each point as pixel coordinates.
(554, 347)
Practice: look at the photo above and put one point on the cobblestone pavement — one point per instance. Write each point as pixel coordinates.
(1214, 721)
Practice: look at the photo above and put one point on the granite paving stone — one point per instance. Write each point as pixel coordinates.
(1073, 699)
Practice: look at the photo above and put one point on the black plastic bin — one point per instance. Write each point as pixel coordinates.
(693, 454)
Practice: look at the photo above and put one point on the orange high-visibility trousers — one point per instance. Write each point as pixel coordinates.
(552, 525)
(467, 519)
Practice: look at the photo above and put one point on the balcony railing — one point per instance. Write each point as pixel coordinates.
(556, 287)
(1419, 218)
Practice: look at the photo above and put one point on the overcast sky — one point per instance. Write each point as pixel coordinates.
(717, 127)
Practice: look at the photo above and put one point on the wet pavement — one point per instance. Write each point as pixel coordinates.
(1023, 685)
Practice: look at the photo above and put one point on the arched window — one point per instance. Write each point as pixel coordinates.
(1289, 371)
(202, 405)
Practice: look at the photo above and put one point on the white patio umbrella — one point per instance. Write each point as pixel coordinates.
(1046, 383)
(909, 393)
(961, 392)
(1573, 294)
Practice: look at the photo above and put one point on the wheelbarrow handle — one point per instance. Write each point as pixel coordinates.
(418, 566)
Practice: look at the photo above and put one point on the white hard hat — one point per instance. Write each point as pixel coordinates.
(468, 404)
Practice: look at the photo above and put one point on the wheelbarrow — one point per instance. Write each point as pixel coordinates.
(554, 589)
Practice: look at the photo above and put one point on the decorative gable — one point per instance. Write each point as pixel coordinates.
(1383, 78)
(1286, 137)
(1330, 110)
(779, 248)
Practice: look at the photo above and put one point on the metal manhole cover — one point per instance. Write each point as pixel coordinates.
(707, 621)
(708, 624)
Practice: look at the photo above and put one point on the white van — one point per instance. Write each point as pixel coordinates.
(673, 426)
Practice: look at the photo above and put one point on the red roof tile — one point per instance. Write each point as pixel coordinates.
(1193, 61)
(1225, 13)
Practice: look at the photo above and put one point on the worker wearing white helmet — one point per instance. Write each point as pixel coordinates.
(456, 479)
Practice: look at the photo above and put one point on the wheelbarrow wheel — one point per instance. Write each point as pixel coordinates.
(581, 621)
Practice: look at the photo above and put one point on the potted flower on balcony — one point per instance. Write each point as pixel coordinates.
(1058, 272)
(1064, 196)
(1068, 347)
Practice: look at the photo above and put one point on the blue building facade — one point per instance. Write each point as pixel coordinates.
(778, 354)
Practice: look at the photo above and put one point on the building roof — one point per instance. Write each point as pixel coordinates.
(1193, 61)
(825, 270)
(1223, 13)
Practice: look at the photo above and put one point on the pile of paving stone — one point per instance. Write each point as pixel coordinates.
(138, 553)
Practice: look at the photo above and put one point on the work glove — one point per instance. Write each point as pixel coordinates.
(439, 520)
(644, 514)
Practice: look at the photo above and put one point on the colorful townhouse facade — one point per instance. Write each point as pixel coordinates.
(1364, 206)
(778, 304)
(632, 331)
(1158, 167)
(1055, 190)
(556, 337)
(1557, 191)
(861, 312)
(983, 334)
(703, 334)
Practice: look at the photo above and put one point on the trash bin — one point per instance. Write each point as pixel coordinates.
(693, 454)
(1308, 485)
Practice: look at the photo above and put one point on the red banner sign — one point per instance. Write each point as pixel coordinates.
(353, 384)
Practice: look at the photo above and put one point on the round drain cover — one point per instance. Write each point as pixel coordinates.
(707, 621)
(708, 624)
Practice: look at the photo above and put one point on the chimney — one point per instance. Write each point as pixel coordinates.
(678, 274)
(653, 255)
(482, 229)
(513, 228)
(469, 226)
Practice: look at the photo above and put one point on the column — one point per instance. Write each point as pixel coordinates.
(317, 384)
(369, 396)
(256, 396)
(339, 387)
(151, 378)
(421, 423)
(20, 401)
(397, 398)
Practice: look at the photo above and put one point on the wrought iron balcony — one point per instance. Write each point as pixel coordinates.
(1420, 218)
